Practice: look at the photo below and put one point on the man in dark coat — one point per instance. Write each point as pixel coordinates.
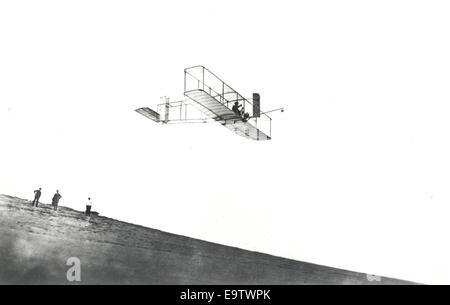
(37, 195)
(55, 200)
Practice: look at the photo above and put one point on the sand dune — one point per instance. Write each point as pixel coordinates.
(35, 244)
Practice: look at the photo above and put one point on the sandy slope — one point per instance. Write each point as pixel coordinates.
(35, 244)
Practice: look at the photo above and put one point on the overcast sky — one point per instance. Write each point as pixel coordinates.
(356, 176)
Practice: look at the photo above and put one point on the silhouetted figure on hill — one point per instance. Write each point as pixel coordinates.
(55, 200)
(37, 195)
(88, 207)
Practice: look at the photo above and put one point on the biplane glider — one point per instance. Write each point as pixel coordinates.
(208, 99)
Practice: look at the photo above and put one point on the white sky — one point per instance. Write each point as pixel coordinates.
(357, 175)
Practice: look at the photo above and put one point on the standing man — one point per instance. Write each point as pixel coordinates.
(37, 195)
(88, 207)
(55, 200)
